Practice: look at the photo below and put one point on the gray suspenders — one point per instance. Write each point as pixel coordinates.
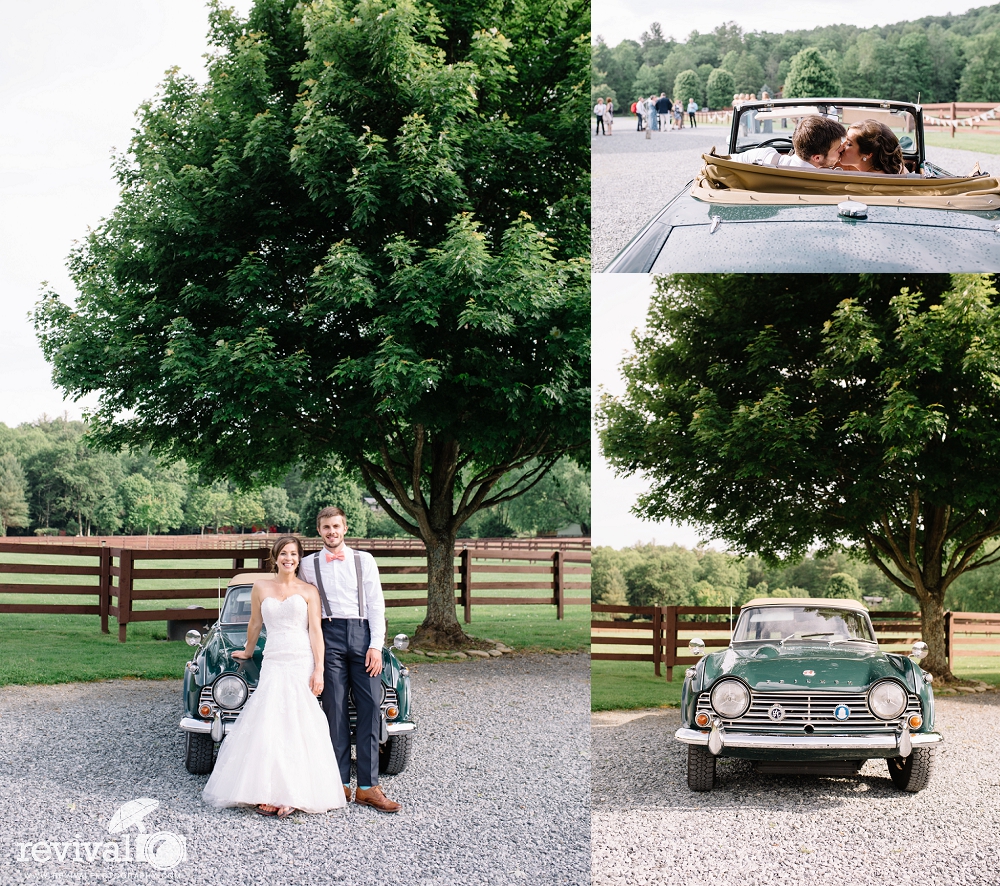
(322, 591)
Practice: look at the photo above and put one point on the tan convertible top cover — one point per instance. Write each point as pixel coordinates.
(730, 182)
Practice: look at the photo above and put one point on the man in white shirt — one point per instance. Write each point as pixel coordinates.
(353, 633)
(817, 143)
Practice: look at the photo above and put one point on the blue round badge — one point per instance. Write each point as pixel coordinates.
(842, 712)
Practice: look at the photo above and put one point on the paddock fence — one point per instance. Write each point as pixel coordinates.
(131, 585)
(660, 634)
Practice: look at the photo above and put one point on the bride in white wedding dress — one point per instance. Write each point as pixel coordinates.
(278, 755)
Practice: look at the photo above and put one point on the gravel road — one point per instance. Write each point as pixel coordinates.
(648, 828)
(634, 177)
(497, 791)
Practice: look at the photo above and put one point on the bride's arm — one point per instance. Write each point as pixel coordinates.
(253, 626)
(316, 641)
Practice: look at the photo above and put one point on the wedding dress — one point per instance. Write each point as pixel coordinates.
(278, 751)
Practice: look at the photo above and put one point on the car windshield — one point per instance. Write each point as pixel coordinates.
(236, 609)
(793, 624)
(760, 124)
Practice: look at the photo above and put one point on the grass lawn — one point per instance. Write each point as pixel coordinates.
(63, 648)
(965, 141)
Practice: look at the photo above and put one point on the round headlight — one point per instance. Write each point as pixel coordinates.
(229, 691)
(887, 700)
(730, 699)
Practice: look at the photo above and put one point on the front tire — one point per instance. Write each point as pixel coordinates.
(701, 768)
(199, 753)
(912, 773)
(395, 754)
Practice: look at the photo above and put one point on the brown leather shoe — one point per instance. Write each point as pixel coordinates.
(376, 799)
(347, 792)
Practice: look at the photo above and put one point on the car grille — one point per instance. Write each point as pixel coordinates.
(810, 708)
(389, 697)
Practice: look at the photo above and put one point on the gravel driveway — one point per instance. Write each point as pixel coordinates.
(648, 828)
(497, 791)
(634, 177)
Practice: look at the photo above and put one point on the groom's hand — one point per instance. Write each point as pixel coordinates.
(373, 662)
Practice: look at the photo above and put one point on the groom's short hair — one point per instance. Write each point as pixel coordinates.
(814, 135)
(332, 511)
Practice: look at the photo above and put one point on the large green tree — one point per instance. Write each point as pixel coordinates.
(782, 412)
(365, 236)
(811, 76)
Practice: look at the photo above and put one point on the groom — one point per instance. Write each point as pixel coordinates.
(353, 632)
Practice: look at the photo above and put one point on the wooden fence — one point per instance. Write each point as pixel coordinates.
(663, 632)
(978, 116)
(122, 582)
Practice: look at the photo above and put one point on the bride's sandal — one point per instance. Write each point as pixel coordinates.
(266, 809)
(285, 811)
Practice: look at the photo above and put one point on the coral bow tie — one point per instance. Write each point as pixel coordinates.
(339, 555)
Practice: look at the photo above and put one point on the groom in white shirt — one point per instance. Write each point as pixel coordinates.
(353, 633)
(817, 143)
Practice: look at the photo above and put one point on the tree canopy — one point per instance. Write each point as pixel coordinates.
(365, 237)
(811, 75)
(783, 412)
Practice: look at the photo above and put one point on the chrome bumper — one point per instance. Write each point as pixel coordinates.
(189, 724)
(808, 742)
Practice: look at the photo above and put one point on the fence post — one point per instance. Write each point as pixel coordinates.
(465, 577)
(124, 591)
(657, 638)
(557, 581)
(954, 116)
(671, 645)
(238, 563)
(104, 587)
(948, 648)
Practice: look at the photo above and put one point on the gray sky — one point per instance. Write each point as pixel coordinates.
(617, 20)
(71, 76)
(619, 306)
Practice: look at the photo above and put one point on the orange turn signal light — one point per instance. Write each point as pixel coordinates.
(916, 721)
(702, 719)
(391, 713)
(205, 710)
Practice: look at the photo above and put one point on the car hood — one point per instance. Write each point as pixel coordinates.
(776, 668)
(215, 656)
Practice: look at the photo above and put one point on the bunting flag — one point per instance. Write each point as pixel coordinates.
(981, 117)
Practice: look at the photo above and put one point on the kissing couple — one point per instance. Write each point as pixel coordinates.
(325, 619)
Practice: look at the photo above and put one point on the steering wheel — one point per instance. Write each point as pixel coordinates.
(777, 138)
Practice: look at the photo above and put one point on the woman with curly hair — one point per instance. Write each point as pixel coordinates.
(872, 147)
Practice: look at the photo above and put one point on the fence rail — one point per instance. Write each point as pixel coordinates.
(978, 116)
(660, 634)
(120, 580)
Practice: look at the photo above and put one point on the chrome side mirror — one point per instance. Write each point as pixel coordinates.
(401, 642)
(193, 637)
(919, 651)
(696, 646)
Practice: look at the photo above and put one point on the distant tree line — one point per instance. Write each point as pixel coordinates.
(659, 575)
(52, 482)
(934, 59)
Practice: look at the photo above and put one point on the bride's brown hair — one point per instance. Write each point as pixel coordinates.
(277, 548)
(875, 138)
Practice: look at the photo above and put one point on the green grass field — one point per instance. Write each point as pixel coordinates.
(43, 648)
(984, 142)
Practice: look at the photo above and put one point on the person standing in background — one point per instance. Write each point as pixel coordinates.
(599, 109)
(692, 107)
(609, 115)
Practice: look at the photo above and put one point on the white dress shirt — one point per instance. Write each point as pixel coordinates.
(768, 156)
(340, 581)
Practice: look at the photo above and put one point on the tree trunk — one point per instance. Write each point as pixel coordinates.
(440, 628)
(932, 630)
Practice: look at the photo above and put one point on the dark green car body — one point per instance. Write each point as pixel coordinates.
(206, 722)
(809, 710)
(691, 235)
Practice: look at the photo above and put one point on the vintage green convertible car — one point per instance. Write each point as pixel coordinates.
(803, 688)
(737, 217)
(216, 686)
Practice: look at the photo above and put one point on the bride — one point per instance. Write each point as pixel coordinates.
(278, 754)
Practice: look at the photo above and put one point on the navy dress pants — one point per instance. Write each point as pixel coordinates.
(346, 641)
